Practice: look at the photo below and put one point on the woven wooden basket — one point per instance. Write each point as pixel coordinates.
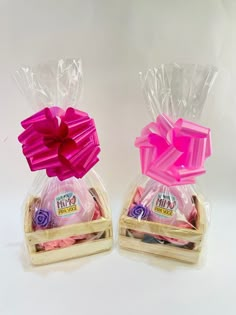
(193, 236)
(89, 247)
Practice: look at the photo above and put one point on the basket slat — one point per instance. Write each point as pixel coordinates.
(182, 254)
(160, 229)
(42, 236)
(74, 251)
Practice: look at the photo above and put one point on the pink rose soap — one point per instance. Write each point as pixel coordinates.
(69, 201)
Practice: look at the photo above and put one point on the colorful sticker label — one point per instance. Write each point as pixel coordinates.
(66, 204)
(164, 205)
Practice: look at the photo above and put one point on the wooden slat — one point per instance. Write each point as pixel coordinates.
(201, 219)
(151, 227)
(42, 236)
(182, 254)
(74, 251)
(28, 228)
(109, 232)
(28, 214)
(100, 198)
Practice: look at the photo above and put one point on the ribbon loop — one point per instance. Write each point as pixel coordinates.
(173, 153)
(64, 142)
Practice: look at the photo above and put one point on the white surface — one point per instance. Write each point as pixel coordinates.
(116, 40)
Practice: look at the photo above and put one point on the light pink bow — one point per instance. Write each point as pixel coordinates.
(173, 153)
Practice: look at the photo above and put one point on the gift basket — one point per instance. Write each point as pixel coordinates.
(66, 213)
(165, 214)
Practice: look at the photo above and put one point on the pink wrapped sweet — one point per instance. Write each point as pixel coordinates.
(69, 201)
(168, 205)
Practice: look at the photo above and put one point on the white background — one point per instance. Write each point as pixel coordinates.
(116, 40)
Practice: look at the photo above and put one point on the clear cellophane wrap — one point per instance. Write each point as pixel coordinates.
(173, 149)
(61, 143)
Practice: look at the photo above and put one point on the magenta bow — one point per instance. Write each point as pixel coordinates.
(173, 153)
(64, 142)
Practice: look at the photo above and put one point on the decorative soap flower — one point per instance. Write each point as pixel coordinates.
(42, 218)
(139, 212)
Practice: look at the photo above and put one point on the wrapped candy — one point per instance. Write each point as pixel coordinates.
(61, 142)
(70, 201)
(173, 150)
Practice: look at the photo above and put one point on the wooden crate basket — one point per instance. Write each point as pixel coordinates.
(194, 236)
(85, 248)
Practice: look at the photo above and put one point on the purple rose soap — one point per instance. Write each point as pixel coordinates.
(139, 212)
(42, 219)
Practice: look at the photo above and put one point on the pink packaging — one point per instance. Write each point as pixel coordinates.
(69, 201)
(168, 205)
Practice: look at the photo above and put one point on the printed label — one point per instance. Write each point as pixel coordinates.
(66, 204)
(164, 205)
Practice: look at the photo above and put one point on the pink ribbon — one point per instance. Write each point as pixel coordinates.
(64, 142)
(173, 153)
